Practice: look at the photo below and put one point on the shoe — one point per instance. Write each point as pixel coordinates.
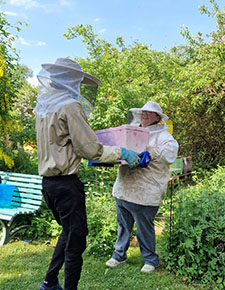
(113, 262)
(55, 287)
(147, 268)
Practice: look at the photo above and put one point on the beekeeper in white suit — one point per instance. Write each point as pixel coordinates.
(140, 191)
(63, 138)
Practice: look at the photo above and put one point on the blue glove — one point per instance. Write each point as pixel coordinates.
(130, 156)
(145, 159)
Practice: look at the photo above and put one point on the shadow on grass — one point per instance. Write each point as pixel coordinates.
(23, 267)
(95, 275)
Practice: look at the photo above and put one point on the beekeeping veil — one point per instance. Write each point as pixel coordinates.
(59, 84)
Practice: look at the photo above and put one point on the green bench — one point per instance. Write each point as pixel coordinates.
(22, 199)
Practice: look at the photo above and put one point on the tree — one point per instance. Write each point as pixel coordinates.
(187, 81)
(23, 110)
(8, 58)
(201, 82)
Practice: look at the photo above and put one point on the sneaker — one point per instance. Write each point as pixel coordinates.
(55, 287)
(147, 268)
(113, 262)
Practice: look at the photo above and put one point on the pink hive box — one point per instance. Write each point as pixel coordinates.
(131, 137)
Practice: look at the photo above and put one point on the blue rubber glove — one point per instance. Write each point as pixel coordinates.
(145, 159)
(130, 156)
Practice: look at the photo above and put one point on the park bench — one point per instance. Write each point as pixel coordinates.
(20, 194)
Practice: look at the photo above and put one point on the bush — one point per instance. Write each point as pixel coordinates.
(24, 162)
(196, 247)
(101, 212)
(43, 225)
(102, 223)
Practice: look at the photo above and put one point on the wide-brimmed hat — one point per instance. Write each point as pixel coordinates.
(151, 107)
(66, 63)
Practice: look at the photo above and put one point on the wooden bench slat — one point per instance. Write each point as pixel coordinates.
(24, 208)
(12, 211)
(21, 185)
(34, 176)
(28, 206)
(36, 192)
(5, 217)
(22, 180)
(8, 215)
(26, 200)
(27, 195)
(6, 211)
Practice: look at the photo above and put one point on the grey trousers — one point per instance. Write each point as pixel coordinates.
(127, 214)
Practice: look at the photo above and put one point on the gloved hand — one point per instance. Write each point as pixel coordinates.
(145, 159)
(130, 156)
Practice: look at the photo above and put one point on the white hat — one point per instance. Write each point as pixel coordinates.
(66, 63)
(151, 107)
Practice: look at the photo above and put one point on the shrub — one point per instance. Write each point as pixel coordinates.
(24, 162)
(43, 225)
(196, 247)
(102, 224)
(101, 213)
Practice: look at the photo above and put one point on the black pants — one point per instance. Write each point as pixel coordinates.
(65, 197)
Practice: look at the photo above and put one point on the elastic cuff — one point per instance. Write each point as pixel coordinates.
(152, 152)
(110, 154)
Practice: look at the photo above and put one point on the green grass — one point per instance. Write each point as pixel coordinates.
(23, 267)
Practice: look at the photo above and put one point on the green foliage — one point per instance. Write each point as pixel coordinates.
(23, 116)
(23, 111)
(9, 83)
(187, 81)
(101, 213)
(215, 12)
(196, 247)
(43, 225)
(102, 223)
(17, 101)
(24, 162)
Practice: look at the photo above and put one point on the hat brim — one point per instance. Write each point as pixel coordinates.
(138, 111)
(88, 79)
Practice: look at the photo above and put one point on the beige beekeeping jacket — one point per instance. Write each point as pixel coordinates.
(64, 137)
(147, 186)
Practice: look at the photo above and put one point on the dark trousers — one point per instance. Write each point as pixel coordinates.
(65, 197)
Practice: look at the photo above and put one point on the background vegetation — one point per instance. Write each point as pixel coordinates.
(189, 83)
(196, 248)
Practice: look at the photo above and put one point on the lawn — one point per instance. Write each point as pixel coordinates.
(23, 266)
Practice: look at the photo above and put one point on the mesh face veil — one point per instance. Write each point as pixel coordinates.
(61, 86)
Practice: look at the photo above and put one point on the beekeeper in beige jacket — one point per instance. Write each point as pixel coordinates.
(63, 138)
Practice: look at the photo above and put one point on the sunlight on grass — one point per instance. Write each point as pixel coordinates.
(23, 267)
